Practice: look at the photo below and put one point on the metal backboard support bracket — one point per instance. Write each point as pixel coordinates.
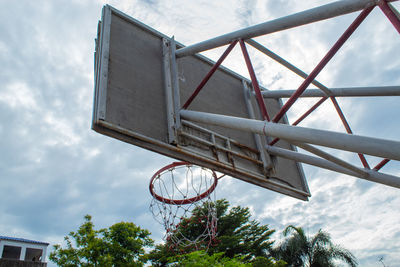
(169, 91)
(266, 159)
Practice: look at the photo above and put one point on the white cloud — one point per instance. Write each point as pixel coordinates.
(19, 96)
(60, 131)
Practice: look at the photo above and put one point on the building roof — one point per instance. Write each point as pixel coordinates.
(22, 240)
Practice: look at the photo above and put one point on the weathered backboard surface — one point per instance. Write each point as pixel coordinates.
(131, 105)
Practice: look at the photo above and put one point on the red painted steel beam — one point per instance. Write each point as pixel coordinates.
(259, 97)
(381, 164)
(308, 112)
(387, 10)
(322, 63)
(209, 74)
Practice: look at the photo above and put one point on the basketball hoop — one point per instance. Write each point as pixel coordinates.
(183, 195)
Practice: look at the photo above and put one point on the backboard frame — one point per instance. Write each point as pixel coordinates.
(173, 146)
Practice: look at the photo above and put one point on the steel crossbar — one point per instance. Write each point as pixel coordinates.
(354, 143)
(324, 12)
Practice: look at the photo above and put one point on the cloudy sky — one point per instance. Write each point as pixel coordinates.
(54, 169)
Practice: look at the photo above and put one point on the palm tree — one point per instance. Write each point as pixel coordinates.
(299, 250)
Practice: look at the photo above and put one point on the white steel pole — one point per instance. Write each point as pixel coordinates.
(369, 175)
(305, 17)
(355, 143)
(329, 157)
(348, 92)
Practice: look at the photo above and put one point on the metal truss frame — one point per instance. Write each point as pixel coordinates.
(300, 136)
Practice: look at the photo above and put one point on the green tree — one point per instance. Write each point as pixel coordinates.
(237, 235)
(201, 258)
(300, 250)
(267, 262)
(122, 244)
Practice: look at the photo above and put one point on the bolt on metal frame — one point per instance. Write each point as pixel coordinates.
(301, 136)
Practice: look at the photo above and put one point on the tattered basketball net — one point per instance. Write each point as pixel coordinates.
(178, 190)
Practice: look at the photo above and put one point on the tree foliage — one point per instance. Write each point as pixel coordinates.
(122, 244)
(237, 235)
(300, 250)
(240, 241)
(201, 258)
